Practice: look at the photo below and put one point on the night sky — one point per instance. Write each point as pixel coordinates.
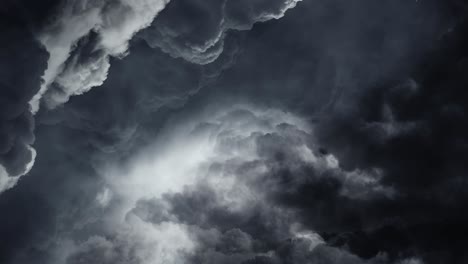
(233, 131)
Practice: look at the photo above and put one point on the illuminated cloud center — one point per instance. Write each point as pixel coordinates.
(175, 201)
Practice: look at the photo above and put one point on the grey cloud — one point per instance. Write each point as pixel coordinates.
(225, 208)
(140, 91)
(110, 25)
(23, 61)
(81, 37)
(195, 30)
(98, 250)
(360, 175)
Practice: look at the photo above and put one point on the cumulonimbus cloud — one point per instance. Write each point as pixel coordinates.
(83, 35)
(209, 191)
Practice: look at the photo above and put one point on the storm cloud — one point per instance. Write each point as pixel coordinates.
(215, 192)
(21, 55)
(279, 131)
(195, 30)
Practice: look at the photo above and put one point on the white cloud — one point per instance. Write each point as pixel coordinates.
(156, 208)
(218, 151)
(8, 181)
(134, 241)
(114, 22)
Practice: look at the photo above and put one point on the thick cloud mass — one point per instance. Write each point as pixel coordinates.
(22, 63)
(248, 131)
(80, 40)
(213, 192)
(195, 30)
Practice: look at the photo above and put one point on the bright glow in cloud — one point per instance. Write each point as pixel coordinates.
(219, 160)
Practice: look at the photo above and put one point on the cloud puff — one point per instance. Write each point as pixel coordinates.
(23, 62)
(195, 30)
(213, 189)
(82, 38)
(254, 186)
(79, 39)
(137, 242)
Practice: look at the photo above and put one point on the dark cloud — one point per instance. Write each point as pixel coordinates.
(415, 130)
(139, 93)
(23, 61)
(323, 50)
(195, 30)
(81, 37)
(156, 164)
(263, 159)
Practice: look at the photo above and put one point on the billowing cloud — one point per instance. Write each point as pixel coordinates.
(82, 38)
(213, 189)
(22, 63)
(364, 163)
(195, 30)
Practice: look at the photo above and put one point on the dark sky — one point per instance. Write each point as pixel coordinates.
(233, 131)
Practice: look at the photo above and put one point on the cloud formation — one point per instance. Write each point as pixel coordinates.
(82, 38)
(195, 30)
(21, 55)
(353, 153)
(215, 191)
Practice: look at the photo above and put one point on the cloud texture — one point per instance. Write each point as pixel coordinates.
(233, 131)
(81, 39)
(21, 55)
(195, 30)
(214, 192)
